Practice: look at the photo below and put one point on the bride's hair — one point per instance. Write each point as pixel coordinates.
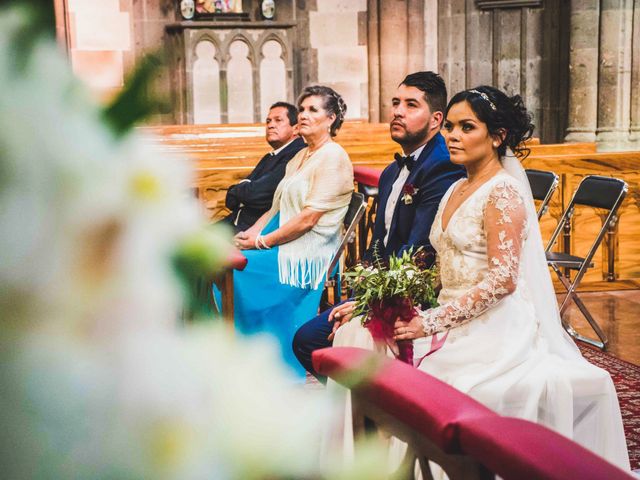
(498, 111)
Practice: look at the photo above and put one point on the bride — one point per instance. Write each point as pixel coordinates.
(497, 319)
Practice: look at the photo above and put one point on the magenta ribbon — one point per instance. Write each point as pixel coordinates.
(436, 344)
(380, 323)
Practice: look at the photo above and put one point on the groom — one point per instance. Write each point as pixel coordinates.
(410, 191)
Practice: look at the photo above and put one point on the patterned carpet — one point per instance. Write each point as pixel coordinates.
(626, 377)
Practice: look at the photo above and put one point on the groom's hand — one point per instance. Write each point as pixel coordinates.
(403, 330)
(341, 315)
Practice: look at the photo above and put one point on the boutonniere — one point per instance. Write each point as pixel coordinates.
(408, 191)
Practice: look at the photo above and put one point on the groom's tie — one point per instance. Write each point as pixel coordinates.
(405, 161)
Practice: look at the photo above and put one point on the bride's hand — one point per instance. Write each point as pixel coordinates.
(403, 330)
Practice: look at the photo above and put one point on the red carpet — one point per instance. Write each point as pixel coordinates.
(626, 377)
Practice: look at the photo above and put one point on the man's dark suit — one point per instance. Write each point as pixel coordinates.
(248, 201)
(432, 175)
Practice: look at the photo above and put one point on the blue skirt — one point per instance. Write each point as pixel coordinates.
(264, 305)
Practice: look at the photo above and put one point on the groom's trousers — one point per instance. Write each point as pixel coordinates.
(312, 336)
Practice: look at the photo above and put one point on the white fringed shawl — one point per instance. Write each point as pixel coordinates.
(322, 182)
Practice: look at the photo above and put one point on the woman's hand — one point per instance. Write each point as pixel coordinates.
(403, 330)
(245, 240)
(341, 315)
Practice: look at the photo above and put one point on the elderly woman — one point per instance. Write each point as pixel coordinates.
(290, 247)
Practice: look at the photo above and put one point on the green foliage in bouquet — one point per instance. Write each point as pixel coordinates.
(406, 276)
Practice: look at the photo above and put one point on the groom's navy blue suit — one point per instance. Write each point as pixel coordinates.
(431, 176)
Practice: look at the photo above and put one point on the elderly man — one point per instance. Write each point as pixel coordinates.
(252, 197)
(417, 114)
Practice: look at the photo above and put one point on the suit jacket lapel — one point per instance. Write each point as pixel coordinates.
(260, 167)
(287, 153)
(424, 155)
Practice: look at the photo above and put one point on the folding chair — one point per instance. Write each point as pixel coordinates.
(367, 179)
(543, 185)
(356, 210)
(597, 192)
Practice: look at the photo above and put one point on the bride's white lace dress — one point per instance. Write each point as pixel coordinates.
(496, 350)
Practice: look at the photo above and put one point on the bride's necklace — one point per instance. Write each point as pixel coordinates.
(476, 181)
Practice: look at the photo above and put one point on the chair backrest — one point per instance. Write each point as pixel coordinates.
(367, 179)
(367, 176)
(598, 192)
(515, 448)
(543, 185)
(357, 207)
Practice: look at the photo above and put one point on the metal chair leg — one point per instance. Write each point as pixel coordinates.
(572, 295)
(596, 327)
(602, 344)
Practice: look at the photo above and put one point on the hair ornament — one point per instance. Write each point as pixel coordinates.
(486, 98)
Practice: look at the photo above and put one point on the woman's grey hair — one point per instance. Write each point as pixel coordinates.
(332, 102)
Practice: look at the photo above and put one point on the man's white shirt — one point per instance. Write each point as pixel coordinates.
(396, 190)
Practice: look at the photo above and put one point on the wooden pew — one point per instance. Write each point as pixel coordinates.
(224, 154)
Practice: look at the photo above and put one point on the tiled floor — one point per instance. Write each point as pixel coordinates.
(618, 313)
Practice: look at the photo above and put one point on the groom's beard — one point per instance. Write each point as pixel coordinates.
(406, 138)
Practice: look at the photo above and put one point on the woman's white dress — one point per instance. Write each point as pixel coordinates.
(495, 350)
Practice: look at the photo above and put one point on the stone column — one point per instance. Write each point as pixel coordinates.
(634, 134)
(415, 42)
(373, 54)
(479, 47)
(394, 50)
(614, 76)
(430, 35)
(451, 44)
(583, 71)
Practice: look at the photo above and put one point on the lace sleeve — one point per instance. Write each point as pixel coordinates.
(505, 227)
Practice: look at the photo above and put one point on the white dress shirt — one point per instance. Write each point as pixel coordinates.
(396, 190)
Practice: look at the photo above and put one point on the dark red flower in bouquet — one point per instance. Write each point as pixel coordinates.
(381, 320)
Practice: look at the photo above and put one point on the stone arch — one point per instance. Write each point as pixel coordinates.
(273, 74)
(206, 82)
(240, 80)
(270, 36)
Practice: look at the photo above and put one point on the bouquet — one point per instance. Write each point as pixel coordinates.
(385, 291)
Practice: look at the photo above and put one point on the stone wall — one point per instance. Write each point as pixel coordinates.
(518, 49)
(604, 95)
(575, 62)
(98, 37)
(337, 37)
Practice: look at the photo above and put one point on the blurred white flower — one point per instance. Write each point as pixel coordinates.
(96, 378)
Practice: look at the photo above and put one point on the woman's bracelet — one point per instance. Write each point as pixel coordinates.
(260, 243)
